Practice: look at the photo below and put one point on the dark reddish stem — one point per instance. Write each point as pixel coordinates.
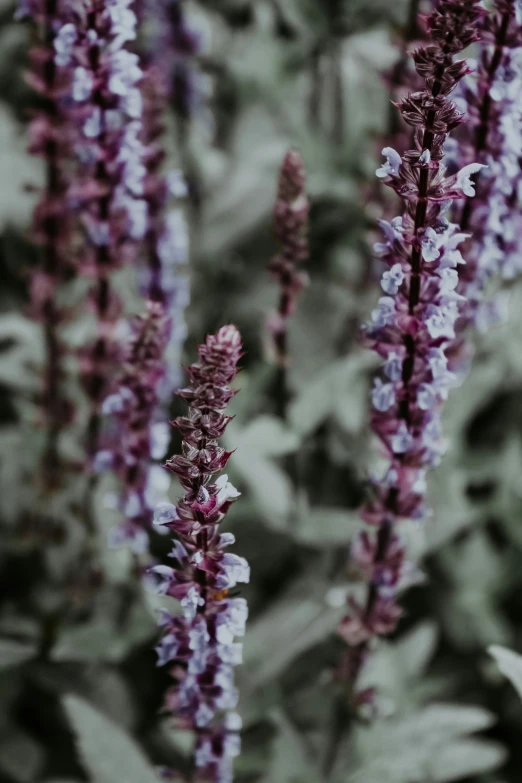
(53, 403)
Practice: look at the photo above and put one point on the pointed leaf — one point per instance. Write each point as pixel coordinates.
(108, 753)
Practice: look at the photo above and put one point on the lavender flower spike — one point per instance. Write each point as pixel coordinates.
(134, 437)
(494, 137)
(107, 110)
(412, 327)
(200, 642)
(50, 139)
(291, 212)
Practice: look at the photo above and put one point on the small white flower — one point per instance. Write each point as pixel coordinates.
(64, 44)
(464, 182)
(441, 321)
(383, 395)
(203, 715)
(430, 244)
(449, 280)
(425, 158)
(438, 362)
(393, 366)
(392, 279)
(426, 397)
(159, 439)
(103, 461)
(92, 125)
(226, 539)
(402, 441)
(233, 721)
(420, 486)
(161, 579)
(226, 490)
(392, 165)
(165, 513)
(174, 242)
(177, 184)
(82, 84)
(385, 312)
(236, 569)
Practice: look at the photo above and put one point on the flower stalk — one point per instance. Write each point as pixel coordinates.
(291, 213)
(494, 138)
(411, 329)
(134, 435)
(107, 110)
(199, 644)
(50, 140)
(166, 238)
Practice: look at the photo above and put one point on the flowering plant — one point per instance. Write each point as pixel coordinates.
(200, 644)
(413, 324)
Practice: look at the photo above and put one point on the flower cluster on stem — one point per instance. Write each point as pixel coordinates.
(493, 136)
(199, 644)
(291, 213)
(134, 436)
(174, 44)
(412, 326)
(166, 237)
(49, 138)
(107, 196)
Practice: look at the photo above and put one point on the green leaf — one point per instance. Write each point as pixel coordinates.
(433, 744)
(291, 626)
(466, 758)
(14, 653)
(108, 753)
(268, 435)
(327, 527)
(510, 664)
(339, 390)
(291, 761)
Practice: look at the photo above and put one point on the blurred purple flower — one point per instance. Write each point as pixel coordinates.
(50, 139)
(291, 213)
(133, 437)
(493, 136)
(107, 195)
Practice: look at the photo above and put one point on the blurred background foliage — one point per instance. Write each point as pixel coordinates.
(80, 695)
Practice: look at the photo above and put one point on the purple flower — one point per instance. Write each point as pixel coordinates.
(392, 165)
(291, 212)
(493, 138)
(105, 114)
(414, 324)
(50, 139)
(164, 230)
(174, 45)
(201, 642)
(128, 439)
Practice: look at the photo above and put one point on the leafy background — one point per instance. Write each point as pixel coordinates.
(80, 695)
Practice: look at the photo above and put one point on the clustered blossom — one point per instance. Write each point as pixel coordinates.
(166, 237)
(134, 436)
(493, 136)
(174, 45)
(402, 76)
(49, 138)
(291, 212)
(199, 644)
(108, 194)
(413, 325)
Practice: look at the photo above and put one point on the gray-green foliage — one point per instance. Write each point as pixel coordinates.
(107, 752)
(65, 637)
